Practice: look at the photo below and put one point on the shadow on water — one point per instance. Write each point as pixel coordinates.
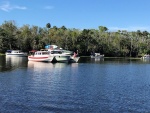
(113, 60)
(90, 60)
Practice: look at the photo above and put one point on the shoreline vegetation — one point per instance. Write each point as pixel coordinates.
(121, 43)
(2, 54)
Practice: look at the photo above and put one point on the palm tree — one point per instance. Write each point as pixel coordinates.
(48, 25)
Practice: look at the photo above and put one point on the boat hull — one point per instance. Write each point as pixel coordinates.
(17, 55)
(61, 58)
(40, 59)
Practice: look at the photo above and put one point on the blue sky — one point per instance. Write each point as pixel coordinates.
(128, 15)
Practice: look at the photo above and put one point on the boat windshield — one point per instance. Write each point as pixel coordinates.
(56, 52)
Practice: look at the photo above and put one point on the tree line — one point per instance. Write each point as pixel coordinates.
(120, 43)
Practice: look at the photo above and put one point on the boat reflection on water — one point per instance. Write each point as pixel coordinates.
(32, 64)
(15, 61)
(97, 59)
(145, 60)
(40, 69)
(50, 67)
(46, 65)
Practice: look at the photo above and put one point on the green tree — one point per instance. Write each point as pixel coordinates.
(10, 31)
(103, 28)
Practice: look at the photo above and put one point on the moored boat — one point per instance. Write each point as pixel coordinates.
(61, 55)
(16, 53)
(58, 56)
(97, 55)
(146, 56)
(40, 56)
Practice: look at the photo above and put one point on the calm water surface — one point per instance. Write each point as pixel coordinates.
(90, 86)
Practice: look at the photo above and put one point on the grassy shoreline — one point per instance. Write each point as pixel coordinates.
(1, 54)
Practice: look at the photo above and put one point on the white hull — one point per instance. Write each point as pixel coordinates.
(97, 55)
(61, 58)
(40, 59)
(16, 55)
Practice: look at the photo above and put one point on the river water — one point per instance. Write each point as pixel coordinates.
(90, 86)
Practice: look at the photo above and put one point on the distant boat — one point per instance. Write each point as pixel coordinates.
(146, 56)
(40, 56)
(97, 55)
(17, 53)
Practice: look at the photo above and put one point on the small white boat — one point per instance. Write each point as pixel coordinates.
(40, 56)
(146, 56)
(16, 53)
(97, 55)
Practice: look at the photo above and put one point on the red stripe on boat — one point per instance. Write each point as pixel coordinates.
(38, 57)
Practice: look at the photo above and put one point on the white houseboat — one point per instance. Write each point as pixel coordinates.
(97, 55)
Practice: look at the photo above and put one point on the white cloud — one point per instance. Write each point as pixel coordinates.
(8, 7)
(48, 7)
(130, 28)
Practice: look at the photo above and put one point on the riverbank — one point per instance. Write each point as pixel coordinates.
(118, 57)
(123, 57)
(1, 54)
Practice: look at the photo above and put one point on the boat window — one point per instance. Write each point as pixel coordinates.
(56, 52)
(59, 52)
(45, 53)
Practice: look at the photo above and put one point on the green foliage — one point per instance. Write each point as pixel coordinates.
(120, 43)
